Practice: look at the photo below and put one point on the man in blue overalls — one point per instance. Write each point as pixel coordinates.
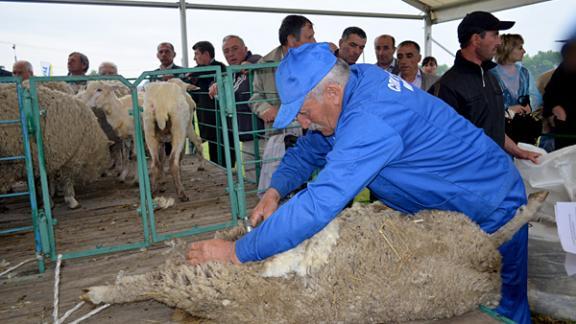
(370, 128)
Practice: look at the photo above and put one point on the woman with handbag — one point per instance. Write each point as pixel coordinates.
(521, 98)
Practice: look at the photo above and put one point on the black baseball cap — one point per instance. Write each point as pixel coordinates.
(480, 21)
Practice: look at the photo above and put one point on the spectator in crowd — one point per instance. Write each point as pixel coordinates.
(108, 68)
(294, 31)
(408, 55)
(166, 54)
(520, 94)
(560, 98)
(78, 65)
(206, 106)
(236, 53)
(4, 73)
(385, 46)
(23, 69)
(351, 44)
(430, 65)
(470, 88)
(417, 145)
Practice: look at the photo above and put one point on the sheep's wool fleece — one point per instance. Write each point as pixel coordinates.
(382, 267)
(74, 144)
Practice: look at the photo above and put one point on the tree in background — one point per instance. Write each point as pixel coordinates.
(541, 62)
(442, 68)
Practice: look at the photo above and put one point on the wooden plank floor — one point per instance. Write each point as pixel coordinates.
(107, 217)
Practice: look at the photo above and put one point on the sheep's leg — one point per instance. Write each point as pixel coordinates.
(69, 193)
(196, 141)
(125, 290)
(130, 170)
(162, 159)
(175, 171)
(178, 140)
(51, 190)
(155, 165)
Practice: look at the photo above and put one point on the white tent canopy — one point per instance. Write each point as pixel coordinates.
(441, 11)
(432, 11)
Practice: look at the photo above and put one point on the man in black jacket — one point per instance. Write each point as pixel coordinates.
(475, 94)
(468, 86)
(236, 53)
(206, 106)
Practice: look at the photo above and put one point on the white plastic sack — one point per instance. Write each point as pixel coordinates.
(275, 149)
(555, 173)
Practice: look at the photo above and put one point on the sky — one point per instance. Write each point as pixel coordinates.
(128, 36)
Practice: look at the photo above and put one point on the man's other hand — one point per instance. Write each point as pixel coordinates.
(266, 207)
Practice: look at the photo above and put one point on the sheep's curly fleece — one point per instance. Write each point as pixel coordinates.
(74, 144)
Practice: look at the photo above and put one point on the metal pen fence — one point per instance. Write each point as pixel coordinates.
(44, 222)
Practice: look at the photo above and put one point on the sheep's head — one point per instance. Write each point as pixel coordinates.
(96, 94)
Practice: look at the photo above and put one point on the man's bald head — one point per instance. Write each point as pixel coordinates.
(23, 69)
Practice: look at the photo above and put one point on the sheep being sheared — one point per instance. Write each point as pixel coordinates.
(75, 147)
(167, 116)
(369, 265)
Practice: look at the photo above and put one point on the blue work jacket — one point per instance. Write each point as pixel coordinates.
(410, 148)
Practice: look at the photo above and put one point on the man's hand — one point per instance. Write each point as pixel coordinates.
(333, 47)
(213, 90)
(559, 113)
(267, 205)
(520, 109)
(527, 155)
(519, 153)
(212, 250)
(269, 114)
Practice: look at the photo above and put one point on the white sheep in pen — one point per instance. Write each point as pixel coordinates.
(102, 97)
(168, 114)
(369, 265)
(75, 147)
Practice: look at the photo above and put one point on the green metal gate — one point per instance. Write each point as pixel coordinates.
(44, 221)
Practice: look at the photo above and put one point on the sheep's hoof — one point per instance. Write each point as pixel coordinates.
(95, 295)
(72, 203)
(183, 197)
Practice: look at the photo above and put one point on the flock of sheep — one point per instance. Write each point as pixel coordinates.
(90, 133)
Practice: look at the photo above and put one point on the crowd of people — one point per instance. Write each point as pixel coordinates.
(415, 139)
(375, 126)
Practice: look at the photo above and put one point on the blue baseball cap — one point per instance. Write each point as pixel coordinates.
(298, 73)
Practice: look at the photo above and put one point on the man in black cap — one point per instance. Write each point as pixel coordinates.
(475, 94)
(470, 89)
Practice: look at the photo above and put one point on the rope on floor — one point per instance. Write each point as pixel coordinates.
(56, 288)
(16, 266)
